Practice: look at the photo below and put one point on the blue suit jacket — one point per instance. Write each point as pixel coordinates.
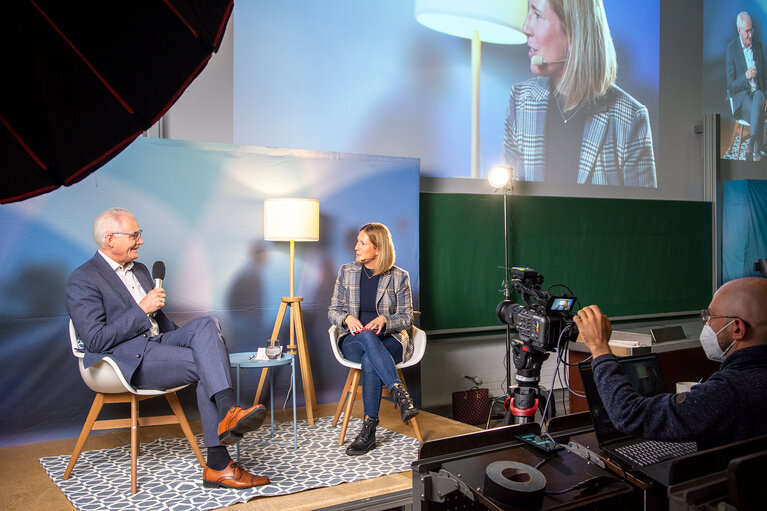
(107, 318)
(737, 84)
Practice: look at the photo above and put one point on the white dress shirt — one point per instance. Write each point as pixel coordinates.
(749, 54)
(133, 285)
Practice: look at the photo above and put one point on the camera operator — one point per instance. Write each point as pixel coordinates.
(728, 407)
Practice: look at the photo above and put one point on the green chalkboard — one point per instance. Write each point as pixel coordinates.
(630, 257)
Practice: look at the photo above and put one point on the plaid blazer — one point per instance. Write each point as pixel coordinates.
(393, 301)
(617, 143)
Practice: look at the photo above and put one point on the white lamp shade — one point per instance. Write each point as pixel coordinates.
(291, 220)
(496, 21)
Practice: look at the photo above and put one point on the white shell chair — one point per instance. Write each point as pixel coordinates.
(105, 378)
(351, 387)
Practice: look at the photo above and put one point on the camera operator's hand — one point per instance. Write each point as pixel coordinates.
(595, 329)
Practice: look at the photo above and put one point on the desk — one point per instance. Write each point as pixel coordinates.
(449, 473)
(247, 359)
(654, 493)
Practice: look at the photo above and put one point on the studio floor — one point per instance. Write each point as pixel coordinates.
(24, 485)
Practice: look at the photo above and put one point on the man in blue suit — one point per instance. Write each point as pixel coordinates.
(117, 311)
(747, 82)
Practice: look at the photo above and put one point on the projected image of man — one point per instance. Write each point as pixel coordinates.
(746, 83)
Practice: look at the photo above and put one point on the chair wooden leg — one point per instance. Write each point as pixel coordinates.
(413, 421)
(350, 403)
(93, 414)
(179, 411)
(418, 435)
(740, 140)
(343, 398)
(134, 443)
(734, 132)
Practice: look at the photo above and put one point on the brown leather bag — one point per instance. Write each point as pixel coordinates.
(471, 406)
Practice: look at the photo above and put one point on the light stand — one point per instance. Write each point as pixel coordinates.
(293, 220)
(500, 177)
(521, 400)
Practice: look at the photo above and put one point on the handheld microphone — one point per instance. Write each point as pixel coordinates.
(537, 60)
(158, 273)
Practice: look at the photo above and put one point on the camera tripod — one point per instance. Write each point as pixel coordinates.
(523, 400)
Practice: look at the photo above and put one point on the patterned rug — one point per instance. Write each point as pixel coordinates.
(169, 476)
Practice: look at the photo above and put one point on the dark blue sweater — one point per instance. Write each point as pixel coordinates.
(730, 406)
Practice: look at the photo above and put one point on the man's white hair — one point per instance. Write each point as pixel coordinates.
(740, 21)
(107, 222)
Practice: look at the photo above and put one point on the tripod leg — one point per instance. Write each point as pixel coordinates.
(278, 323)
(310, 399)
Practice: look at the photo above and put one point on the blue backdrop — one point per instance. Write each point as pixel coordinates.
(201, 209)
(744, 227)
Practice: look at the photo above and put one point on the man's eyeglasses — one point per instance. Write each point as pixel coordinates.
(705, 315)
(132, 235)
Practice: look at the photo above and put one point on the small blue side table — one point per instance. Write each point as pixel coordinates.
(247, 359)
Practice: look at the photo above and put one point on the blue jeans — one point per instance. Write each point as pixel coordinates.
(378, 356)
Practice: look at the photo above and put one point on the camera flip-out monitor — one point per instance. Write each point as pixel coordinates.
(561, 303)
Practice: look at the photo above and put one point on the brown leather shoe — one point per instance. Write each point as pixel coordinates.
(233, 476)
(239, 421)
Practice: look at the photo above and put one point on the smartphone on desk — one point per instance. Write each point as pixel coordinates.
(539, 442)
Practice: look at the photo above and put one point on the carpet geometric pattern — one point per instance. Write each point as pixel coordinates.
(170, 478)
(732, 152)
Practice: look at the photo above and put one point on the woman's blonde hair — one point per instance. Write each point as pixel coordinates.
(380, 237)
(591, 66)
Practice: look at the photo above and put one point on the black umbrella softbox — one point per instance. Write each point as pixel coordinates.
(83, 79)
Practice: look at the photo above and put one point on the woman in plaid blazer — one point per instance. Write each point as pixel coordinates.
(572, 124)
(373, 304)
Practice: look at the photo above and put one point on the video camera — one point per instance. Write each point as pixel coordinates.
(544, 317)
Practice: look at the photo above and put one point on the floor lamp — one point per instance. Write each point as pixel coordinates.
(492, 21)
(293, 220)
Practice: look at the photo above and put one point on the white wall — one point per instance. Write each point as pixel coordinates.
(204, 111)
(447, 363)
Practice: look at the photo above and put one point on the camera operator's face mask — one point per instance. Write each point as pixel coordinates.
(710, 342)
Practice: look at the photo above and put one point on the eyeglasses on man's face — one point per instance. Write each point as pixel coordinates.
(132, 235)
(705, 315)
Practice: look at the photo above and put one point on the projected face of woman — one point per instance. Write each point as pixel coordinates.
(546, 38)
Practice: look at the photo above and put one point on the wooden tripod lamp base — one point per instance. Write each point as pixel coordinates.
(297, 346)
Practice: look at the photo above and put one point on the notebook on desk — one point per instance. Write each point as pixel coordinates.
(650, 457)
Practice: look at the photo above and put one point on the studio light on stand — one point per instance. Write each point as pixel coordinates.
(491, 21)
(293, 220)
(500, 177)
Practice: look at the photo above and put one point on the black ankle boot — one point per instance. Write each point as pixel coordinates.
(366, 440)
(404, 401)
